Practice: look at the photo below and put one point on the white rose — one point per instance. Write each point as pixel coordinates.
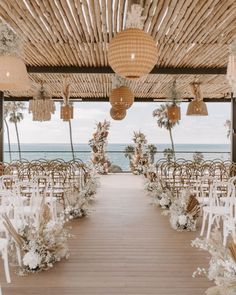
(182, 219)
(31, 259)
(164, 202)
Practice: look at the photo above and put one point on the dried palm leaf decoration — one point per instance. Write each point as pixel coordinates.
(67, 110)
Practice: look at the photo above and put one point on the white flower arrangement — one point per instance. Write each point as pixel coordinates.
(43, 244)
(10, 42)
(161, 196)
(184, 211)
(139, 162)
(222, 264)
(98, 144)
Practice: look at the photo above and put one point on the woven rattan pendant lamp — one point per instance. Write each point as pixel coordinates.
(121, 97)
(117, 114)
(13, 73)
(197, 107)
(132, 53)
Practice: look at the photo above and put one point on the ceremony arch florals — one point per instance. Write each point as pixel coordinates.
(98, 144)
(42, 244)
(139, 162)
(222, 264)
(184, 212)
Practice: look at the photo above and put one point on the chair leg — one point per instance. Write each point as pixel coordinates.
(18, 255)
(209, 226)
(6, 265)
(203, 223)
(225, 234)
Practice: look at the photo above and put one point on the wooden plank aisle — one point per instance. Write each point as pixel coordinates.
(124, 247)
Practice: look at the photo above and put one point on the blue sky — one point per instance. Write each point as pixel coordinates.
(139, 117)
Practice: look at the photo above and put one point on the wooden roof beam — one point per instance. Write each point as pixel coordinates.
(108, 70)
(106, 99)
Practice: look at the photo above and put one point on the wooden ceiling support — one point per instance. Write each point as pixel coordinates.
(108, 70)
(106, 99)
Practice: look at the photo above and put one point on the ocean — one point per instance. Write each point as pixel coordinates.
(114, 151)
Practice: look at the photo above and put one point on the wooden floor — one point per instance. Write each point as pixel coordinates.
(124, 247)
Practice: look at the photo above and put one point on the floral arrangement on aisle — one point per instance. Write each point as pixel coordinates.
(222, 264)
(77, 199)
(76, 205)
(162, 196)
(151, 178)
(184, 212)
(98, 144)
(42, 245)
(139, 161)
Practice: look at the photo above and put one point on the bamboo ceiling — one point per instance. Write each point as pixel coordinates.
(188, 33)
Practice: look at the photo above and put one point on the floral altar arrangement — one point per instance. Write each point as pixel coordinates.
(98, 144)
(222, 264)
(42, 244)
(184, 212)
(139, 161)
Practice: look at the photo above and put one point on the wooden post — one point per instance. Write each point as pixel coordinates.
(1, 126)
(233, 128)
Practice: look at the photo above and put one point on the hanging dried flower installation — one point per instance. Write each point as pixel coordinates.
(98, 144)
(13, 73)
(42, 106)
(67, 110)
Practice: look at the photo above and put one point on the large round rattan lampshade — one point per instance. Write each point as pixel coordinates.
(118, 113)
(13, 74)
(173, 113)
(197, 108)
(132, 53)
(121, 97)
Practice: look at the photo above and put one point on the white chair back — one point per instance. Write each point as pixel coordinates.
(222, 194)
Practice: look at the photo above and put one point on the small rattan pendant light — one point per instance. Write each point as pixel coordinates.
(197, 107)
(173, 110)
(121, 97)
(132, 53)
(117, 114)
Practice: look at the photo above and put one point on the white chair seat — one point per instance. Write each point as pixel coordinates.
(217, 210)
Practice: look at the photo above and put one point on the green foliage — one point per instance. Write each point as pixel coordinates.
(129, 151)
(168, 154)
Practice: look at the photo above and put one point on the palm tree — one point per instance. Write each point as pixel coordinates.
(152, 150)
(15, 117)
(163, 121)
(129, 151)
(228, 127)
(7, 107)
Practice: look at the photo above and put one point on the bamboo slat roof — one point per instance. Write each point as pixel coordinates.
(188, 33)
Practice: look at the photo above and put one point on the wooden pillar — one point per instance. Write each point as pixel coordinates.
(233, 128)
(1, 126)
